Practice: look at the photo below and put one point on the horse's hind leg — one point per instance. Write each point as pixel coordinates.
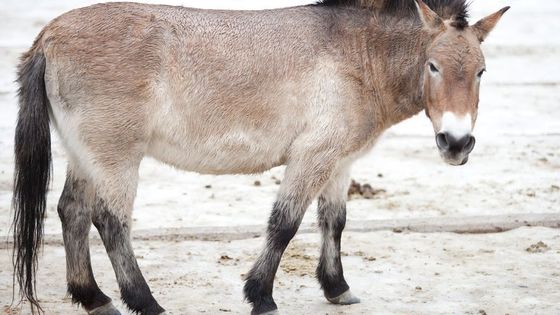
(74, 209)
(332, 219)
(112, 217)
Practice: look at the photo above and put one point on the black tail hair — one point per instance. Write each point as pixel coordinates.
(32, 172)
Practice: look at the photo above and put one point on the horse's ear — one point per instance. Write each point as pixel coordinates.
(431, 20)
(483, 27)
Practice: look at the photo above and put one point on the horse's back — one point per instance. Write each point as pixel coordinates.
(123, 48)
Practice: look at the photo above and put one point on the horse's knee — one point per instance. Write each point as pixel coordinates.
(283, 223)
(331, 217)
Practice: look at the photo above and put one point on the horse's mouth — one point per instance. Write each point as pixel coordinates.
(454, 159)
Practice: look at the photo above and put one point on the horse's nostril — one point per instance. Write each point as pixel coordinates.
(470, 145)
(441, 140)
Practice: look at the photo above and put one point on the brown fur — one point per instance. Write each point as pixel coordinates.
(224, 92)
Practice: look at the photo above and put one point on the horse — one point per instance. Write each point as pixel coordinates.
(229, 92)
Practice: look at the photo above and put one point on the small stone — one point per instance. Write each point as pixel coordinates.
(257, 183)
(367, 191)
(225, 257)
(487, 251)
(354, 189)
(208, 186)
(539, 247)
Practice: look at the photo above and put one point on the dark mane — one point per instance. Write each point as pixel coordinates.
(454, 10)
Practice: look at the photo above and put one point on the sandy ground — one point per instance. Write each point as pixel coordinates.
(515, 168)
(392, 273)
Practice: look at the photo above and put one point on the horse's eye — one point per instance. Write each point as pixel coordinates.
(479, 75)
(433, 68)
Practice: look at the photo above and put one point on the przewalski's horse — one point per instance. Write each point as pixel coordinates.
(229, 92)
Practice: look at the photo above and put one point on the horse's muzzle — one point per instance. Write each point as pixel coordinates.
(453, 150)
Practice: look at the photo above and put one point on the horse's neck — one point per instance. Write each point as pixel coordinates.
(397, 56)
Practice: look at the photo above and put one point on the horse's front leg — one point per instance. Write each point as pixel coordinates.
(303, 180)
(332, 219)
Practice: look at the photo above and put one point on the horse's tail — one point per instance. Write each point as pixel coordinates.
(32, 171)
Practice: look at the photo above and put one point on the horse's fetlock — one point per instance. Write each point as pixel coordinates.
(138, 297)
(332, 283)
(258, 292)
(88, 295)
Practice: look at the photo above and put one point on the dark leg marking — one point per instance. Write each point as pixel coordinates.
(282, 226)
(332, 220)
(76, 223)
(116, 237)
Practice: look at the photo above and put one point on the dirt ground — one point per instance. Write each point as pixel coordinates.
(393, 273)
(514, 169)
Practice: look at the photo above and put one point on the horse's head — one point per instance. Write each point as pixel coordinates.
(452, 74)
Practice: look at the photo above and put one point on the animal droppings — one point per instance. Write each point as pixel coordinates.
(539, 247)
(365, 191)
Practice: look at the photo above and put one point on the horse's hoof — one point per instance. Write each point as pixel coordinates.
(345, 298)
(107, 309)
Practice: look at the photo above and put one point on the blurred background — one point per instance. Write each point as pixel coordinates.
(514, 169)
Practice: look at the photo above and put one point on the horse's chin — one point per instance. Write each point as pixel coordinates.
(455, 160)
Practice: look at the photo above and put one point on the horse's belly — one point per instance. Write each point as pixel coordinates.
(233, 136)
(230, 153)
